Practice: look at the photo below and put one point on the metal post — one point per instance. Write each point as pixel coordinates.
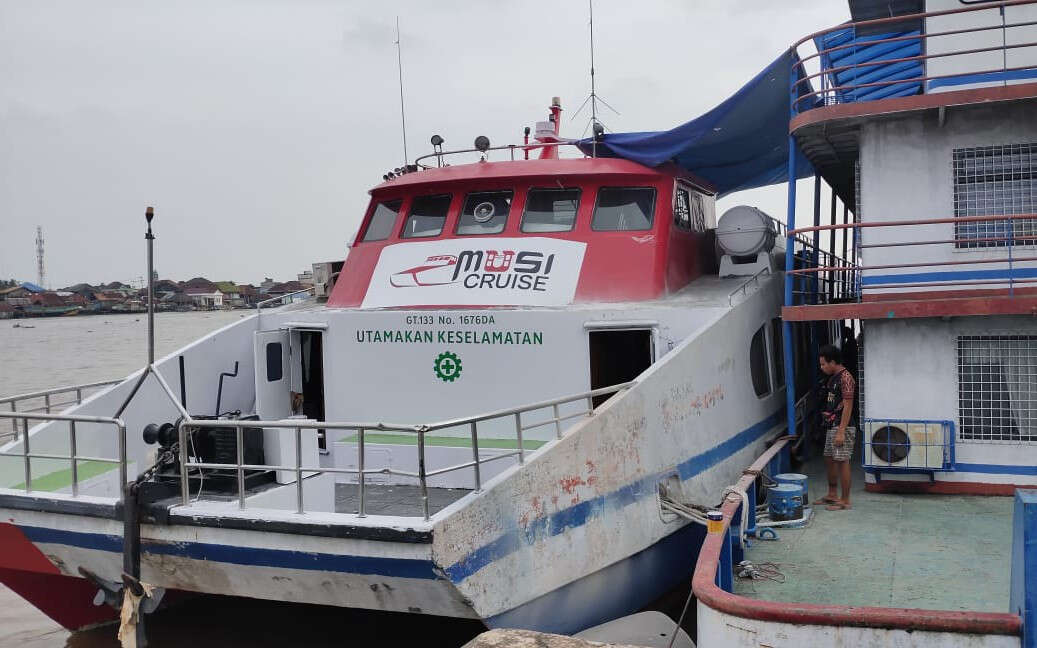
(122, 455)
(149, 213)
(817, 235)
(558, 424)
(298, 470)
(790, 242)
(360, 466)
(831, 249)
(241, 470)
(25, 456)
(185, 488)
(422, 480)
(14, 421)
(79, 396)
(46, 402)
(590, 406)
(518, 436)
(72, 457)
(475, 456)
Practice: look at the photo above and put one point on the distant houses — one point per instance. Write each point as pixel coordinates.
(28, 300)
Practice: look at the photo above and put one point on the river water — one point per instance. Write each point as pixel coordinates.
(73, 350)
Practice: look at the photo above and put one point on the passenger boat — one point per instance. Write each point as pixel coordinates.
(532, 378)
(517, 357)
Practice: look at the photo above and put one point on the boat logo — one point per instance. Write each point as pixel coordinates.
(447, 366)
(477, 269)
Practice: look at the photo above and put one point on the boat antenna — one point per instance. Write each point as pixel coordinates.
(403, 117)
(595, 124)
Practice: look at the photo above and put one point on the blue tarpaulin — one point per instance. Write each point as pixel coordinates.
(740, 144)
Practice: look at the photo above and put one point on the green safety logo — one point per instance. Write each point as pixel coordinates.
(447, 366)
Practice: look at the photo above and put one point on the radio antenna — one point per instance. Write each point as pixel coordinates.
(403, 117)
(593, 98)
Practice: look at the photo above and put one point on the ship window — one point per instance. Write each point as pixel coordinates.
(550, 210)
(682, 209)
(485, 212)
(623, 208)
(758, 362)
(274, 370)
(382, 220)
(427, 216)
(995, 181)
(997, 388)
(778, 352)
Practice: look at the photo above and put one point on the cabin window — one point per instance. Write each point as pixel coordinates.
(997, 388)
(485, 212)
(274, 370)
(995, 181)
(758, 362)
(778, 352)
(382, 220)
(623, 208)
(550, 210)
(682, 209)
(427, 216)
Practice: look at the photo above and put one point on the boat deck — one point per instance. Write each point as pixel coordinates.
(395, 500)
(938, 552)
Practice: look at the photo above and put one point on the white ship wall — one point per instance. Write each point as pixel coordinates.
(911, 372)
(906, 174)
(695, 416)
(967, 65)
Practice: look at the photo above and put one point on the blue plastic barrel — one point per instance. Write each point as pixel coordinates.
(796, 479)
(785, 502)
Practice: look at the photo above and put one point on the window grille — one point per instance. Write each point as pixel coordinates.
(995, 181)
(997, 388)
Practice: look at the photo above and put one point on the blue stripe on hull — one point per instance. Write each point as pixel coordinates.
(578, 514)
(617, 590)
(236, 555)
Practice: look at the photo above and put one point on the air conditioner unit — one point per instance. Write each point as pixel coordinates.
(920, 445)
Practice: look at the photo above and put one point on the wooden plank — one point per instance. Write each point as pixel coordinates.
(901, 309)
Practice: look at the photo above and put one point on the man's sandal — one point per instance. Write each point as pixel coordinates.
(838, 506)
(826, 500)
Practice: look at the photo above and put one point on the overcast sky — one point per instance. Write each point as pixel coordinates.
(256, 128)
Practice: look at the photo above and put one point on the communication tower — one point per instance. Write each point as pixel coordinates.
(40, 274)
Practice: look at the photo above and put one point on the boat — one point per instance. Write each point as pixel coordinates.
(544, 390)
(518, 355)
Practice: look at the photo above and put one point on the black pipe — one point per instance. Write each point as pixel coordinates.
(131, 552)
(219, 391)
(183, 384)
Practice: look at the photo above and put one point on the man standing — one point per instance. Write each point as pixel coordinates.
(838, 417)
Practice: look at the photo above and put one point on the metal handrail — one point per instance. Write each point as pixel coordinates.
(422, 474)
(799, 93)
(26, 455)
(505, 147)
(48, 405)
(1010, 239)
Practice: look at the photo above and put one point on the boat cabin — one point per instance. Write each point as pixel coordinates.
(544, 232)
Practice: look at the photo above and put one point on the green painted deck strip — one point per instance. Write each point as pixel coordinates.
(935, 552)
(55, 481)
(450, 442)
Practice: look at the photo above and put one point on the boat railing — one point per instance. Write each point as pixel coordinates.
(838, 285)
(45, 401)
(72, 457)
(362, 473)
(894, 56)
(440, 156)
(995, 235)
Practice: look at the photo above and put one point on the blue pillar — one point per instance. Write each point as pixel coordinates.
(790, 223)
(1024, 564)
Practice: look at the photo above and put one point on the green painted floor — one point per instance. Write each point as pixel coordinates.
(937, 552)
